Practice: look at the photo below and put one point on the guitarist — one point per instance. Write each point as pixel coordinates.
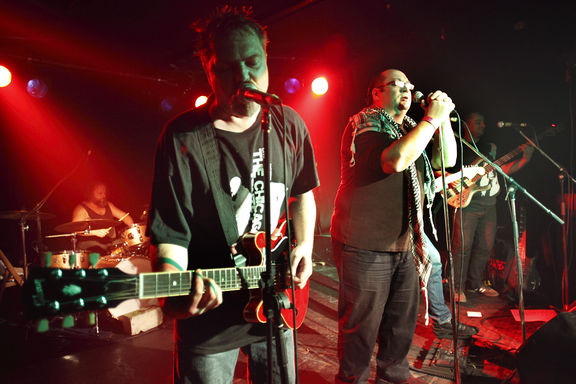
(184, 222)
(479, 217)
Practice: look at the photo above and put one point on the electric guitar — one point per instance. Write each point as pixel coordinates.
(460, 192)
(52, 291)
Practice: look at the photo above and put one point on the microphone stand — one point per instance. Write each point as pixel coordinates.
(511, 196)
(455, 309)
(271, 300)
(563, 175)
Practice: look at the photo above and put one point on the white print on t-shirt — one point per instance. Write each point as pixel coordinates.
(490, 179)
(251, 203)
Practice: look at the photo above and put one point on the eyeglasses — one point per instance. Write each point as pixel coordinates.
(398, 83)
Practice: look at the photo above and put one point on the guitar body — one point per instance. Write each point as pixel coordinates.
(460, 190)
(460, 198)
(254, 245)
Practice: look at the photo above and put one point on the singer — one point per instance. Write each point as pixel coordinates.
(377, 226)
(187, 229)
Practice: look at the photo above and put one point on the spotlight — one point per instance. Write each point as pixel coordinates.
(292, 85)
(200, 101)
(5, 76)
(320, 86)
(37, 88)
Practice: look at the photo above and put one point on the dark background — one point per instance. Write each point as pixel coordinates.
(109, 64)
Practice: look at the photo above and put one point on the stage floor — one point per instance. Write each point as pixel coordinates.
(77, 355)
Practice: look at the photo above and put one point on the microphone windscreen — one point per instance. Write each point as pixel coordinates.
(417, 97)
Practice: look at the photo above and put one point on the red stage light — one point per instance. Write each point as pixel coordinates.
(320, 86)
(5, 76)
(200, 101)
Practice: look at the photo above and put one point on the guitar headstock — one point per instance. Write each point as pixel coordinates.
(52, 292)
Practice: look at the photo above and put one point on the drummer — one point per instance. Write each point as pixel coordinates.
(97, 206)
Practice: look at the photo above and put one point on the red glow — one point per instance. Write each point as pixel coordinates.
(5, 76)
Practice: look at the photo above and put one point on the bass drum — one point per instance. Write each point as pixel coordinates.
(67, 259)
(131, 265)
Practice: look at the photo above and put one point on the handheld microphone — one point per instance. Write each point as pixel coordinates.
(508, 124)
(257, 96)
(419, 98)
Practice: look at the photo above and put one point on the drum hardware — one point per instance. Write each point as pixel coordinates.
(10, 270)
(22, 216)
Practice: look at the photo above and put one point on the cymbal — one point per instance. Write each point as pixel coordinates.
(79, 226)
(19, 214)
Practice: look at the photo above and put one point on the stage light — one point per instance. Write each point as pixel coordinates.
(5, 76)
(37, 88)
(320, 86)
(200, 101)
(292, 85)
(167, 105)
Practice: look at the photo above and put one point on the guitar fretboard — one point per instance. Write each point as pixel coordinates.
(164, 284)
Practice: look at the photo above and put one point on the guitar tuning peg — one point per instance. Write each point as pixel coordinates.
(68, 321)
(42, 326)
(54, 306)
(102, 301)
(57, 273)
(79, 303)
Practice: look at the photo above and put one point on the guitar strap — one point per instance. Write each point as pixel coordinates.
(206, 136)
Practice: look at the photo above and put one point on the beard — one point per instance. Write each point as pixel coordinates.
(102, 203)
(242, 107)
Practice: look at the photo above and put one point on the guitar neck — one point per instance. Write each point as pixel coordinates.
(503, 159)
(163, 284)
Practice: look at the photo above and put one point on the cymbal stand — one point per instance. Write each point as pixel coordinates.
(23, 228)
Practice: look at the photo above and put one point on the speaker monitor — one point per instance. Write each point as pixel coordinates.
(549, 355)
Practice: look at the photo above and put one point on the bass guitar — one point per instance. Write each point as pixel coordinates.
(460, 192)
(52, 292)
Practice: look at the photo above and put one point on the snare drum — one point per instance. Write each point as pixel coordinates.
(66, 259)
(134, 237)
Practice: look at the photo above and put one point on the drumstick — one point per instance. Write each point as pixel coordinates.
(123, 217)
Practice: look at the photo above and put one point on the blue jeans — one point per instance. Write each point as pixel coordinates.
(438, 309)
(218, 368)
(377, 302)
(479, 230)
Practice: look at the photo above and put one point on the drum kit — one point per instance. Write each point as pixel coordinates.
(132, 243)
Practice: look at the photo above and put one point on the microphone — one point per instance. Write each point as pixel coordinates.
(257, 96)
(419, 98)
(508, 124)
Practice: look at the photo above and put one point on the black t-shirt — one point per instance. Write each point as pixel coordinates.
(371, 207)
(183, 210)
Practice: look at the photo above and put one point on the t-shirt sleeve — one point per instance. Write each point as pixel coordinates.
(372, 137)
(169, 206)
(304, 163)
